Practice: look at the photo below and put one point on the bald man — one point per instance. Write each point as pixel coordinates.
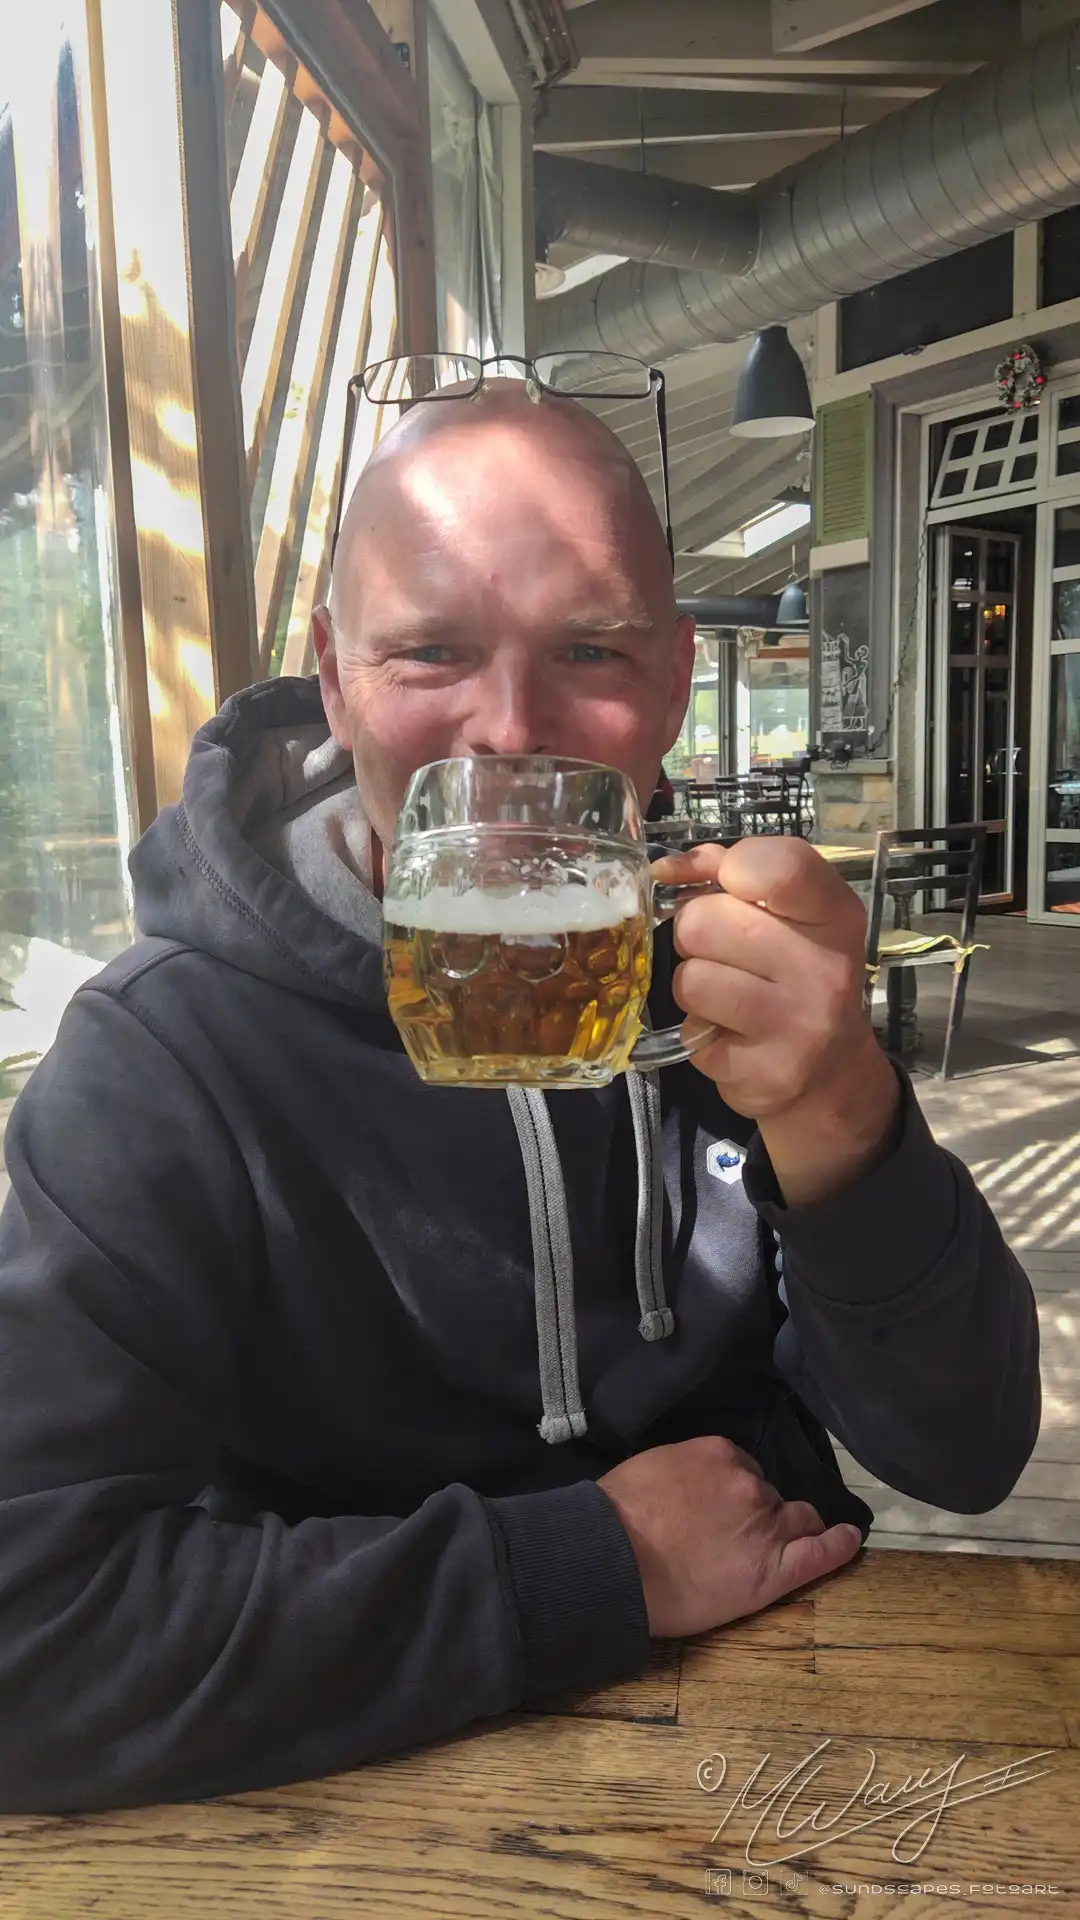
(338, 1412)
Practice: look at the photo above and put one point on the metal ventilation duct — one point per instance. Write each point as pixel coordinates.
(983, 155)
(607, 210)
(728, 612)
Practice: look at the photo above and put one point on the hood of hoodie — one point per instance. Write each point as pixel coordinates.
(266, 860)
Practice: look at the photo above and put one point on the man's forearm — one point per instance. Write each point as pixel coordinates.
(912, 1331)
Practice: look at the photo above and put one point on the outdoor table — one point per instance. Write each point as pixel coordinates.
(855, 863)
(606, 1805)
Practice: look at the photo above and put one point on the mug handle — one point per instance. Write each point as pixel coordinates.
(668, 1048)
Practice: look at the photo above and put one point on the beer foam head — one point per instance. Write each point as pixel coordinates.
(542, 910)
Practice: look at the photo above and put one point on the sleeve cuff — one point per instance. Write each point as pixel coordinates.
(874, 1239)
(576, 1588)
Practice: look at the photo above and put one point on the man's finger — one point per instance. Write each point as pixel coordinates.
(717, 927)
(797, 1520)
(808, 1558)
(726, 997)
(690, 869)
(789, 878)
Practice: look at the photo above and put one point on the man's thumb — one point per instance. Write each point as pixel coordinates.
(815, 1554)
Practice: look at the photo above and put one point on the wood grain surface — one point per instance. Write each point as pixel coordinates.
(591, 1805)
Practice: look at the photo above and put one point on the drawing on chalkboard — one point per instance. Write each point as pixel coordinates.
(844, 684)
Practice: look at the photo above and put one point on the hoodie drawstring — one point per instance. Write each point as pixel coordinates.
(553, 1258)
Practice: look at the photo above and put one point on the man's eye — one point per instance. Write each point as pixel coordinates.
(588, 656)
(430, 656)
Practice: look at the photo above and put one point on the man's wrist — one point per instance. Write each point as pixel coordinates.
(838, 1132)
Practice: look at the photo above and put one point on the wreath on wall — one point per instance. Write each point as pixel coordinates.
(1021, 378)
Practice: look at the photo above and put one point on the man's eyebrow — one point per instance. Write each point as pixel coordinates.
(421, 629)
(609, 623)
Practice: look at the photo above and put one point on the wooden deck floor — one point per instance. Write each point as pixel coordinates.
(1012, 1114)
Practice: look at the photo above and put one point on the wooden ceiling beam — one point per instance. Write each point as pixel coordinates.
(801, 25)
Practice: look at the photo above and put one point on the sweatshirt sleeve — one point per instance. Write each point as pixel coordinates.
(148, 1650)
(911, 1330)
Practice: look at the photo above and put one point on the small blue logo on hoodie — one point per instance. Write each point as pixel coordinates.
(724, 1161)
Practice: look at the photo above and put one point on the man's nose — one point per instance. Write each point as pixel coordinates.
(506, 716)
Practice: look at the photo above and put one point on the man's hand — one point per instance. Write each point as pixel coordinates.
(777, 963)
(712, 1538)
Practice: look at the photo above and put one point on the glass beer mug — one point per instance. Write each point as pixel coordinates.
(518, 913)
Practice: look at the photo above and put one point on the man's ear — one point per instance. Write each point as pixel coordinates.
(682, 676)
(322, 631)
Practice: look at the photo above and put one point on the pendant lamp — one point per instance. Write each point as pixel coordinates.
(772, 397)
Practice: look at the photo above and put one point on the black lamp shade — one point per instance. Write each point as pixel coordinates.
(793, 610)
(772, 397)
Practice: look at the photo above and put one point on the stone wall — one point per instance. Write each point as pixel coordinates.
(853, 803)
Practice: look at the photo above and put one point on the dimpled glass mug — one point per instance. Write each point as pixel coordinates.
(518, 912)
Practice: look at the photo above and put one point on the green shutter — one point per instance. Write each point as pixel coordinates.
(842, 456)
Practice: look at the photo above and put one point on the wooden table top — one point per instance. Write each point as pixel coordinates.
(935, 1670)
(846, 858)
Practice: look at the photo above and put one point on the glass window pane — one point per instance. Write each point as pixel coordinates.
(1023, 468)
(965, 563)
(1030, 429)
(1000, 564)
(963, 444)
(466, 203)
(1068, 460)
(995, 742)
(961, 723)
(1067, 537)
(1069, 411)
(695, 751)
(988, 475)
(997, 629)
(998, 436)
(1062, 879)
(64, 775)
(1063, 796)
(953, 482)
(962, 627)
(1067, 610)
(779, 707)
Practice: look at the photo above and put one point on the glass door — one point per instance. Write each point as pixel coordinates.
(1056, 802)
(977, 577)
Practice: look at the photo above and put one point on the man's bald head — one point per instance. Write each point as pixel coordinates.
(501, 585)
(545, 440)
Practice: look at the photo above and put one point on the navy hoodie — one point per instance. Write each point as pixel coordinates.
(308, 1371)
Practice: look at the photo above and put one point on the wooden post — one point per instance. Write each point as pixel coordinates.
(129, 583)
(226, 516)
(162, 70)
(382, 102)
(405, 24)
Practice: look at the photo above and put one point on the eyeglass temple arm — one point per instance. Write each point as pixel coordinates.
(661, 427)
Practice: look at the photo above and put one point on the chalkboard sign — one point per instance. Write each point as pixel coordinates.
(844, 657)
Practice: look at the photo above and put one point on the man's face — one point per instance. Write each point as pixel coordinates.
(502, 591)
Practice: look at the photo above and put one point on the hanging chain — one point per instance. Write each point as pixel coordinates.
(878, 740)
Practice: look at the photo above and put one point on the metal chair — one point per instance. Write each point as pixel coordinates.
(907, 862)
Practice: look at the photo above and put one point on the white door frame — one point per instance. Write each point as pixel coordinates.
(1045, 651)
